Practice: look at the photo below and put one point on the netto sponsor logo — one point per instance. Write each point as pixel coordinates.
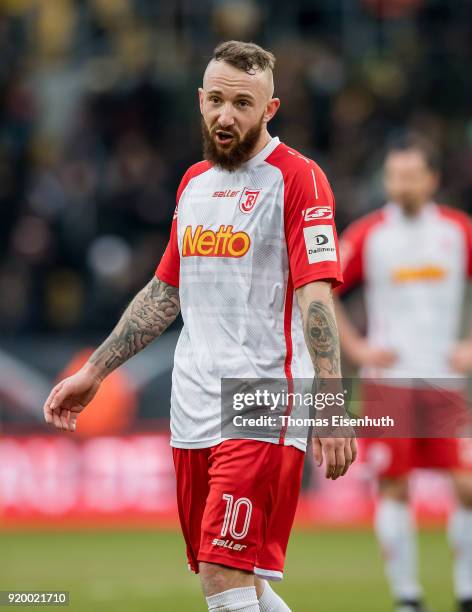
(208, 243)
(228, 544)
(416, 274)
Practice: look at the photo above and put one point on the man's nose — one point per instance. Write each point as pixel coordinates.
(226, 118)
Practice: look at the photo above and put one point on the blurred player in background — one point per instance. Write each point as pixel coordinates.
(252, 235)
(414, 258)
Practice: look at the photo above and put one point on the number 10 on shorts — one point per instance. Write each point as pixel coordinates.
(233, 508)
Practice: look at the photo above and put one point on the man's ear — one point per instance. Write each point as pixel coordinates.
(200, 99)
(271, 108)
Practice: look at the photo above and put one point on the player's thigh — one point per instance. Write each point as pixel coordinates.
(394, 488)
(383, 400)
(446, 411)
(216, 578)
(282, 504)
(191, 469)
(439, 453)
(388, 458)
(243, 477)
(441, 413)
(462, 471)
(462, 481)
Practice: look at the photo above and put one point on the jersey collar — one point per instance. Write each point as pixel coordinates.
(263, 153)
(395, 212)
(260, 157)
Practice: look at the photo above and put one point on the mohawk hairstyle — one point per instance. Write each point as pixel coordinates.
(245, 56)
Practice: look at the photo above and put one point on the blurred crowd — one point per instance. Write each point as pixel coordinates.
(99, 120)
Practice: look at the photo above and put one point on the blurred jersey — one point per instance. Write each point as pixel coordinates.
(415, 271)
(241, 242)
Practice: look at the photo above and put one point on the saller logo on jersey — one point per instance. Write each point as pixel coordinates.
(248, 199)
(319, 242)
(208, 243)
(317, 212)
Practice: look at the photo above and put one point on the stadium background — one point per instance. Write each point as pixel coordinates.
(99, 120)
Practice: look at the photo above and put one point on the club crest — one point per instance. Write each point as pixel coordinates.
(248, 199)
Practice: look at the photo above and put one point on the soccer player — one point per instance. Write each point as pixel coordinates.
(250, 263)
(414, 258)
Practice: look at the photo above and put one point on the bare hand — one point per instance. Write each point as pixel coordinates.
(69, 398)
(461, 357)
(339, 452)
(367, 355)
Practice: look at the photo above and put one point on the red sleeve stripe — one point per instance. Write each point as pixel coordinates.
(465, 223)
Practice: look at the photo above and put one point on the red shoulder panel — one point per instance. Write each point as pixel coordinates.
(465, 223)
(309, 206)
(352, 248)
(168, 269)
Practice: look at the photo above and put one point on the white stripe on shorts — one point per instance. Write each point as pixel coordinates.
(268, 574)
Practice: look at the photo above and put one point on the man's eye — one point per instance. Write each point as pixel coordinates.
(243, 103)
(214, 99)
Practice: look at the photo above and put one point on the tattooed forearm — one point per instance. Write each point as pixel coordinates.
(150, 313)
(321, 336)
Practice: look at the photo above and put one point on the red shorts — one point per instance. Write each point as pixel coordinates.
(397, 456)
(237, 502)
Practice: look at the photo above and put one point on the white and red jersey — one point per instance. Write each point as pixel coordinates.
(415, 271)
(240, 243)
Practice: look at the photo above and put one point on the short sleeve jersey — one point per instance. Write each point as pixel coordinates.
(414, 272)
(240, 243)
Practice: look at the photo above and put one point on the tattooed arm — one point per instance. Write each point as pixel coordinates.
(151, 312)
(339, 447)
(319, 328)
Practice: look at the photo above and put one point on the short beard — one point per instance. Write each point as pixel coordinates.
(239, 152)
(410, 206)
